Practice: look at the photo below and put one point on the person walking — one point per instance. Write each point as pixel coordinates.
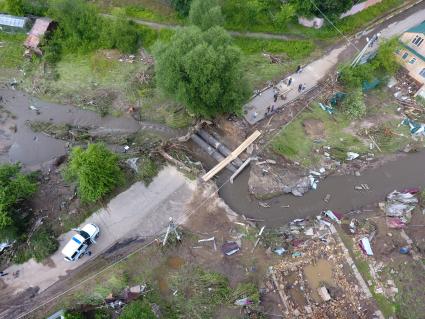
(300, 87)
(2, 273)
(289, 81)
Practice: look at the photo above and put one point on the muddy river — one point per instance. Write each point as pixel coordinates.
(408, 170)
(32, 149)
(20, 143)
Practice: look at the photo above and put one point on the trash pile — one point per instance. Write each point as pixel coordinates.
(398, 207)
(312, 279)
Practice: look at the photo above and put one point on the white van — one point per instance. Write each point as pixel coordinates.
(80, 242)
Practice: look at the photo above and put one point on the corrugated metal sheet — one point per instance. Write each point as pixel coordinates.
(12, 21)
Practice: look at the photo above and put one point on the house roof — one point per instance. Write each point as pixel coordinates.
(420, 28)
(38, 30)
(12, 21)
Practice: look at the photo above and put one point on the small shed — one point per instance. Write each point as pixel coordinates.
(38, 31)
(12, 23)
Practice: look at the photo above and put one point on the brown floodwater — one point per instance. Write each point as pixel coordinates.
(407, 170)
(33, 149)
(317, 275)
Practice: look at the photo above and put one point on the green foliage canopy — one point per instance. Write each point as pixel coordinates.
(14, 188)
(331, 8)
(206, 14)
(181, 6)
(81, 29)
(22, 7)
(95, 170)
(353, 105)
(383, 65)
(202, 70)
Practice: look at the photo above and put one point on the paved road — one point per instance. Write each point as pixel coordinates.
(256, 108)
(138, 212)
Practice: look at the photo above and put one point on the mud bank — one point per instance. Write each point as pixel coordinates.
(407, 170)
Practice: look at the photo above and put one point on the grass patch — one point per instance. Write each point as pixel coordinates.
(201, 292)
(11, 50)
(294, 49)
(293, 143)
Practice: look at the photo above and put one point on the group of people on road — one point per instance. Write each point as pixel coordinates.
(301, 86)
(271, 108)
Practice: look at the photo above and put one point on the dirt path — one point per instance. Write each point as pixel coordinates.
(140, 212)
(257, 35)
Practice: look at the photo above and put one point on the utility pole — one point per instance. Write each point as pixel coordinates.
(171, 228)
(369, 44)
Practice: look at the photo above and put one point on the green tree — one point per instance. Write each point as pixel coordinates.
(285, 14)
(385, 62)
(353, 105)
(181, 6)
(14, 188)
(206, 14)
(122, 35)
(330, 8)
(137, 309)
(15, 7)
(202, 70)
(95, 170)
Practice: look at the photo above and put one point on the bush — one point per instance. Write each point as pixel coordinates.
(95, 170)
(383, 65)
(81, 29)
(203, 71)
(23, 7)
(14, 188)
(43, 244)
(181, 6)
(353, 105)
(206, 14)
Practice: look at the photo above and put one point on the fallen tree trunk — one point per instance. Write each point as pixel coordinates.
(173, 161)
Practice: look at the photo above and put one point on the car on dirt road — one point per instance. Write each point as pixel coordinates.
(78, 245)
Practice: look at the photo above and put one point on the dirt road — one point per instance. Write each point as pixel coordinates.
(139, 212)
(318, 70)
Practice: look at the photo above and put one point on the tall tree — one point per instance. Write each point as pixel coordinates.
(206, 14)
(202, 70)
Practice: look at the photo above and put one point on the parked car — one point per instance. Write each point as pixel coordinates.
(79, 243)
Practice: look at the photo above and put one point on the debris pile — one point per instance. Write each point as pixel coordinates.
(398, 207)
(314, 278)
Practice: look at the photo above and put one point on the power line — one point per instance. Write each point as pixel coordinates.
(329, 20)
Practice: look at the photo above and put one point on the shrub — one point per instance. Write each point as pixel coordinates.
(43, 244)
(95, 170)
(14, 188)
(205, 14)
(353, 105)
(181, 6)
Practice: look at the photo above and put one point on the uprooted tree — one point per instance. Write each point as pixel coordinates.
(203, 71)
(95, 170)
